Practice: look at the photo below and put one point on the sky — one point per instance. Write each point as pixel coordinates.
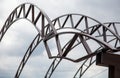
(21, 34)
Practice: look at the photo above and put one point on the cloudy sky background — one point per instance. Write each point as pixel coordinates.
(20, 35)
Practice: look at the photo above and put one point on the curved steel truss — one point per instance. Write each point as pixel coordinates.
(70, 33)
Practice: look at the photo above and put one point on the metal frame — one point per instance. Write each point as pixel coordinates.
(79, 73)
(82, 69)
(65, 24)
(31, 13)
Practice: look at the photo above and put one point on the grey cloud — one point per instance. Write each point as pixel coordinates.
(4, 73)
(20, 49)
(103, 11)
(107, 10)
(1, 10)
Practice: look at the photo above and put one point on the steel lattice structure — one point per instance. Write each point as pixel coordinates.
(80, 29)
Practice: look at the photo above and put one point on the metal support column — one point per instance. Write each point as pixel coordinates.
(112, 61)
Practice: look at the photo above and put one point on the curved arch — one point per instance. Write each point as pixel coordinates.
(60, 22)
(83, 69)
(28, 53)
(27, 11)
(54, 61)
(47, 30)
(76, 34)
(37, 17)
(23, 61)
(112, 25)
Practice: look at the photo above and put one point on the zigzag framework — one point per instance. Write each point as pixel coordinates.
(80, 29)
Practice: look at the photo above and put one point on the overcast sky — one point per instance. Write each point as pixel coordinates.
(20, 35)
